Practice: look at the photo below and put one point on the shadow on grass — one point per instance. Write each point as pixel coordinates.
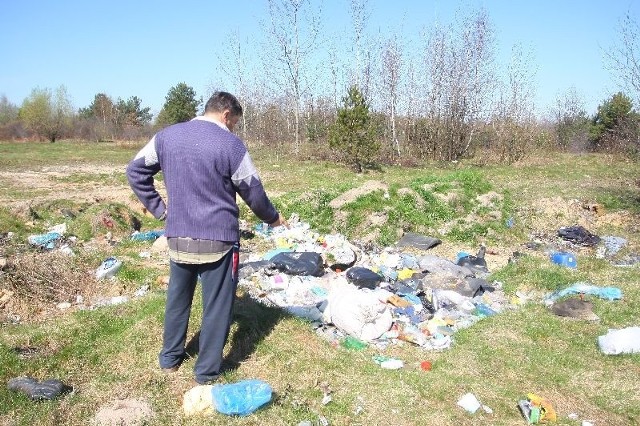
(253, 322)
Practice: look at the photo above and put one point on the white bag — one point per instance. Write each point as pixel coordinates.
(624, 341)
(357, 312)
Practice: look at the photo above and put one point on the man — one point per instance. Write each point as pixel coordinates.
(204, 165)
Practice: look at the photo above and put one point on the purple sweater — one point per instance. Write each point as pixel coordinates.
(204, 166)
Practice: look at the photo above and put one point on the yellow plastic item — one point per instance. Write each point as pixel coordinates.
(405, 273)
(547, 412)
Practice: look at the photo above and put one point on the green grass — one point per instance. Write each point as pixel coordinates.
(111, 352)
(14, 156)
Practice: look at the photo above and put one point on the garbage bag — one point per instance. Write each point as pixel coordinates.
(476, 263)
(418, 241)
(613, 244)
(147, 235)
(247, 268)
(363, 277)
(241, 398)
(38, 390)
(357, 312)
(46, 241)
(578, 235)
(623, 341)
(299, 263)
(198, 400)
(438, 265)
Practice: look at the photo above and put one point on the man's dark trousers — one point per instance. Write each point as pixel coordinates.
(219, 282)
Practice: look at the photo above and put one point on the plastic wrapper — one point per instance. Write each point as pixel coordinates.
(624, 341)
(241, 398)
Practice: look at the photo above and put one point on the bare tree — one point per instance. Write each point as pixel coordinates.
(623, 59)
(570, 120)
(391, 69)
(459, 85)
(293, 34)
(359, 17)
(234, 63)
(8, 111)
(514, 120)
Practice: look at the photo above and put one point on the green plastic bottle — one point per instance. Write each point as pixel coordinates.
(353, 343)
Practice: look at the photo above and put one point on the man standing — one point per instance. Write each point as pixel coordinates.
(204, 165)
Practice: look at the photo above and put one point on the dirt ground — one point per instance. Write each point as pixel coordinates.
(539, 217)
(48, 185)
(46, 180)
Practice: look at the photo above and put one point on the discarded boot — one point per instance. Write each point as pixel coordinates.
(37, 391)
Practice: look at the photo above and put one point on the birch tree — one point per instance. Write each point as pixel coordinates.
(514, 120)
(391, 67)
(292, 34)
(623, 59)
(460, 83)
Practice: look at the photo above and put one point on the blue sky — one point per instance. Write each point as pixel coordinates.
(143, 48)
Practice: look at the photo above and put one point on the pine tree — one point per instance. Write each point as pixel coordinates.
(353, 133)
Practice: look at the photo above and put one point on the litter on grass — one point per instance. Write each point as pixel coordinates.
(376, 296)
(623, 341)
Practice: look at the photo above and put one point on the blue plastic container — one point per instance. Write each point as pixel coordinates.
(563, 258)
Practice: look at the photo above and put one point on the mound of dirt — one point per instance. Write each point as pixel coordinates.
(353, 194)
(124, 412)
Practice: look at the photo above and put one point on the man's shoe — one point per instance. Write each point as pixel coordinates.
(170, 369)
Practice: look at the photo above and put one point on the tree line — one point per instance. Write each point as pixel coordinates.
(368, 99)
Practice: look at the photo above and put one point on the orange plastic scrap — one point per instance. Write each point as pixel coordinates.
(547, 412)
(398, 301)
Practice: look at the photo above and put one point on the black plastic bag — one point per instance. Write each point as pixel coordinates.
(578, 235)
(363, 277)
(422, 242)
(299, 263)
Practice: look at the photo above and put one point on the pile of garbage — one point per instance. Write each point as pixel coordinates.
(374, 296)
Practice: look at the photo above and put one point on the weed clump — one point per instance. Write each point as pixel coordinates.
(46, 277)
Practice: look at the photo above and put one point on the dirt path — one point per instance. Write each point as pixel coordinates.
(55, 183)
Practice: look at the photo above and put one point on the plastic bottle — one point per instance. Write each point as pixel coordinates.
(350, 342)
(109, 267)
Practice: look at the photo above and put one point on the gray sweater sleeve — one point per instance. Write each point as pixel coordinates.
(249, 186)
(140, 173)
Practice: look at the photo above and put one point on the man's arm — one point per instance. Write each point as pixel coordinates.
(140, 173)
(249, 187)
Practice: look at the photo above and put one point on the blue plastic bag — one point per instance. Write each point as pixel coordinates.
(241, 398)
(47, 241)
(147, 235)
(608, 293)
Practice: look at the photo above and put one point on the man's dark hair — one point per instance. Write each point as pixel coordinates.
(221, 101)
